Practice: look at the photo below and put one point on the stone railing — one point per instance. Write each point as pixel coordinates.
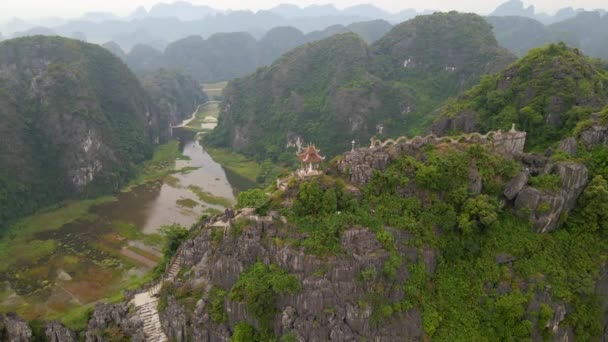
(511, 142)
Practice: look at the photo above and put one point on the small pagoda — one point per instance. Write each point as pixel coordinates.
(310, 159)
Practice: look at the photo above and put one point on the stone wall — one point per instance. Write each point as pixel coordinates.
(361, 163)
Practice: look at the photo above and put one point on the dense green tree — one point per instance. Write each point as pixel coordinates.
(254, 198)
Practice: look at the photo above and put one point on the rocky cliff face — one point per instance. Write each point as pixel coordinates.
(327, 307)
(546, 207)
(176, 95)
(14, 329)
(74, 120)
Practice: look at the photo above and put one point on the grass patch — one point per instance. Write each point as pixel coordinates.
(77, 318)
(546, 182)
(212, 212)
(259, 286)
(210, 198)
(205, 114)
(130, 232)
(187, 203)
(172, 181)
(236, 163)
(160, 166)
(17, 245)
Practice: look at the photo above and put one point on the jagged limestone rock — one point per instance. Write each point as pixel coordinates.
(569, 146)
(14, 329)
(595, 134)
(516, 185)
(545, 208)
(326, 307)
(57, 332)
(106, 316)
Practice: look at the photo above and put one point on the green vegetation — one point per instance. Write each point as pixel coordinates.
(14, 240)
(254, 198)
(160, 166)
(548, 182)
(256, 172)
(470, 296)
(528, 93)
(205, 114)
(259, 287)
(186, 203)
(208, 197)
(335, 90)
(130, 232)
(173, 236)
(217, 312)
(244, 332)
(175, 93)
(38, 166)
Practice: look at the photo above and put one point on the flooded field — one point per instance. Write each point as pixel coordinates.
(111, 244)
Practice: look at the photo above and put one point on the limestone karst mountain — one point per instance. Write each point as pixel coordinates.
(548, 93)
(225, 56)
(74, 122)
(340, 88)
(429, 238)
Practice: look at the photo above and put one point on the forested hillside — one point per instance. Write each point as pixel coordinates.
(547, 93)
(587, 31)
(339, 89)
(74, 122)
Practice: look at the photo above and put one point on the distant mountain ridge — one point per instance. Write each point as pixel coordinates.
(585, 30)
(225, 56)
(164, 22)
(518, 9)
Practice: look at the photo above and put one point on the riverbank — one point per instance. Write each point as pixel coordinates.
(205, 117)
(60, 260)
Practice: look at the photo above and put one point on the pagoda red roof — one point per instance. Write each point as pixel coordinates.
(311, 155)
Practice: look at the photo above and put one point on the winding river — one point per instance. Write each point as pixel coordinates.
(100, 254)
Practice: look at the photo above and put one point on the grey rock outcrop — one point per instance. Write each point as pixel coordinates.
(329, 304)
(361, 163)
(464, 122)
(595, 134)
(516, 185)
(107, 316)
(569, 146)
(14, 329)
(544, 207)
(57, 332)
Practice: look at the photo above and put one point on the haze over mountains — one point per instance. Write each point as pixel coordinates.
(494, 228)
(164, 23)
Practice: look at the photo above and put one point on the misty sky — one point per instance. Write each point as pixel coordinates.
(38, 8)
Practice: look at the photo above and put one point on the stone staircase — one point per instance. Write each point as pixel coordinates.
(146, 308)
(146, 303)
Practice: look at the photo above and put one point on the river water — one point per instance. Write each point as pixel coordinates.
(93, 259)
(153, 205)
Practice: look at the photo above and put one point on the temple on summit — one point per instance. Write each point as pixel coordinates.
(310, 160)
